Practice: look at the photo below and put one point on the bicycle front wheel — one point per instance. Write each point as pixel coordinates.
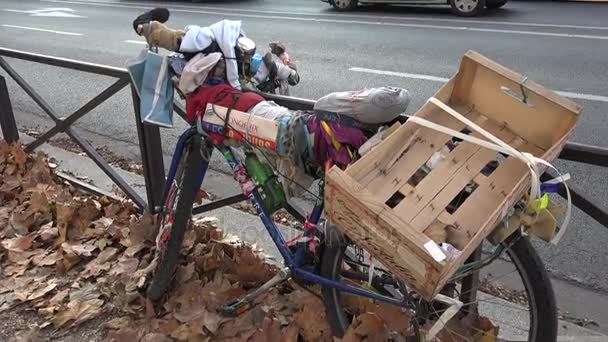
(176, 219)
(514, 293)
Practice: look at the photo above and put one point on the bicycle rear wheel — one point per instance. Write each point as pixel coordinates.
(530, 307)
(176, 219)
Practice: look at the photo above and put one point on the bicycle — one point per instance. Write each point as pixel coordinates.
(340, 264)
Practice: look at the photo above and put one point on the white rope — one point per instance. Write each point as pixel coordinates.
(498, 145)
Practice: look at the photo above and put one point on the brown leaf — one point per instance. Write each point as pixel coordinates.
(242, 327)
(30, 335)
(290, 333)
(21, 221)
(155, 337)
(85, 214)
(64, 216)
(185, 273)
(99, 264)
(59, 297)
(19, 156)
(118, 323)
(126, 334)
(186, 332)
(393, 317)
(142, 230)
(82, 250)
(125, 266)
(134, 249)
(78, 312)
(18, 244)
(270, 331)
(42, 291)
(46, 259)
(39, 202)
(312, 322)
(199, 315)
(48, 232)
(70, 258)
(15, 270)
(86, 293)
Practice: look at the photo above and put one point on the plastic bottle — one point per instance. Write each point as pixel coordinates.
(266, 181)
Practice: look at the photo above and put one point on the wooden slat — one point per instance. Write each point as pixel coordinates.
(386, 182)
(459, 178)
(417, 198)
(372, 161)
(386, 237)
(484, 207)
(541, 122)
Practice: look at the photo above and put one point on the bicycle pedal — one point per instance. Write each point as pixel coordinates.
(235, 308)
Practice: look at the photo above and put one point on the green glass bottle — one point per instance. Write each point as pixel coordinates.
(271, 191)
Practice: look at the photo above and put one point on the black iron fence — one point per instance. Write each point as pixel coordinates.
(150, 142)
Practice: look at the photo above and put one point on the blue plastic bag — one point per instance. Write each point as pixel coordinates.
(151, 77)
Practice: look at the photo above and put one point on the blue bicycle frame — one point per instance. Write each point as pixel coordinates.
(294, 261)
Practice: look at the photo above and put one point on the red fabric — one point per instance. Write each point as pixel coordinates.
(220, 95)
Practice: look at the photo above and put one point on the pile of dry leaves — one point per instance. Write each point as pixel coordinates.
(72, 257)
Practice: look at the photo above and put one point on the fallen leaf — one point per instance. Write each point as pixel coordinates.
(78, 312)
(46, 259)
(30, 335)
(270, 331)
(185, 273)
(126, 334)
(83, 250)
(142, 230)
(19, 156)
(99, 264)
(125, 265)
(88, 292)
(21, 221)
(64, 216)
(69, 258)
(18, 244)
(134, 249)
(155, 337)
(118, 323)
(312, 322)
(42, 291)
(48, 232)
(85, 214)
(14, 270)
(59, 297)
(39, 202)
(290, 333)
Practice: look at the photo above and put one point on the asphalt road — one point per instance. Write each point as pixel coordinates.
(561, 45)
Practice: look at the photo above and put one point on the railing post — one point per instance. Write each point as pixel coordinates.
(7, 117)
(151, 156)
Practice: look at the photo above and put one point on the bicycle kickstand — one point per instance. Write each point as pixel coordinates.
(239, 306)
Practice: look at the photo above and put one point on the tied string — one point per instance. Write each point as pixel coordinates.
(496, 144)
(308, 237)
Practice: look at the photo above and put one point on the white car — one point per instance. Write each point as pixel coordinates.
(464, 8)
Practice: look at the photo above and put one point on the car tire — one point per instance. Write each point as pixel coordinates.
(344, 5)
(468, 8)
(495, 4)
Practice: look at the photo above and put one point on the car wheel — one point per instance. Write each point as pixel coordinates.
(495, 4)
(467, 8)
(344, 5)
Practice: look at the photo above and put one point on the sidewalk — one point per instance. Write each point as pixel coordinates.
(577, 301)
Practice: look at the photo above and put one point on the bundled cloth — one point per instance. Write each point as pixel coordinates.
(222, 95)
(225, 34)
(367, 106)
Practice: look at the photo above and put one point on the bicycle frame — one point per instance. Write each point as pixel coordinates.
(294, 261)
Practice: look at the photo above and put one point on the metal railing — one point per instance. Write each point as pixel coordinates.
(150, 143)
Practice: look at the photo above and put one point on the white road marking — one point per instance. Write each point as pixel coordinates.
(141, 42)
(588, 97)
(48, 12)
(361, 22)
(43, 30)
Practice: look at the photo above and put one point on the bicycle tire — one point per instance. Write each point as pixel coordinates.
(543, 321)
(169, 257)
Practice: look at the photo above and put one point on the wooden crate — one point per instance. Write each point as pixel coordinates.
(405, 235)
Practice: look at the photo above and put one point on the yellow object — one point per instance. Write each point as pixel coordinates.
(334, 141)
(540, 203)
